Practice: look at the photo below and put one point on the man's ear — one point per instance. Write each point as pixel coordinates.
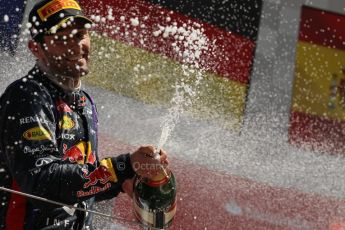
(36, 49)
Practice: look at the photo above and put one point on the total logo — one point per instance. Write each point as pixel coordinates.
(37, 134)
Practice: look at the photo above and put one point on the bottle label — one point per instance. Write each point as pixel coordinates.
(152, 217)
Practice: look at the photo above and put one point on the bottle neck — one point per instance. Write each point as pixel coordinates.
(161, 178)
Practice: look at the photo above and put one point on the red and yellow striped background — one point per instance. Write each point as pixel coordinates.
(318, 103)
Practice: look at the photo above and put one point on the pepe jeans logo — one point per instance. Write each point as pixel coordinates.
(55, 6)
(39, 149)
(37, 134)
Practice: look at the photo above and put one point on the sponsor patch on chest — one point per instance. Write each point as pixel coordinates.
(37, 134)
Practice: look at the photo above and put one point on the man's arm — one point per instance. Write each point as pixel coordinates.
(32, 155)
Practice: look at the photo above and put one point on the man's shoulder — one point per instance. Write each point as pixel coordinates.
(26, 87)
(28, 83)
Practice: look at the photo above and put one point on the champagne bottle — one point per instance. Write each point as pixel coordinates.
(154, 200)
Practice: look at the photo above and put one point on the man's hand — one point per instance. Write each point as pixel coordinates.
(145, 163)
(127, 187)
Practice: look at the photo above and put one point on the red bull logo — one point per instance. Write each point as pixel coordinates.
(100, 174)
(77, 153)
(74, 155)
(82, 101)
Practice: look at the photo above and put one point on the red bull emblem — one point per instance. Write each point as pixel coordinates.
(63, 107)
(80, 153)
(100, 174)
(74, 155)
(82, 101)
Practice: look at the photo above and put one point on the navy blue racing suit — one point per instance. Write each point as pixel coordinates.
(48, 148)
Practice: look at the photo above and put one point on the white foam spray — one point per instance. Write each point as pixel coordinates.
(190, 43)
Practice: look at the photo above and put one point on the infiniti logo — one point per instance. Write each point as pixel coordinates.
(43, 161)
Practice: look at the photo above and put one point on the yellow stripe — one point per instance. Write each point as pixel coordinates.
(151, 78)
(318, 77)
(109, 165)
